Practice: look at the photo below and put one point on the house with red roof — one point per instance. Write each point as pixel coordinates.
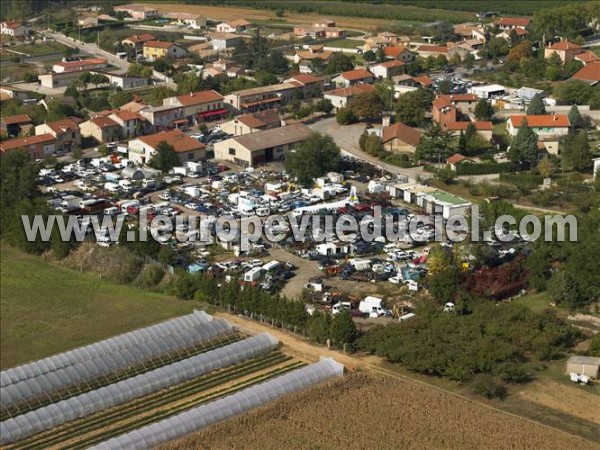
(137, 41)
(85, 65)
(233, 26)
(341, 97)
(252, 122)
(400, 138)
(199, 106)
(400, 53)
(143, 148)
(590, 73)
(427, 50)
(353, 77)
(14, 29)
(510, 23)
(14, 126)
(457, 159)
(131, 123)
(564, 49)
(103, 129)
(36, 146)
(586, 57)
(65, 131)
(388, 69)
(545, 126)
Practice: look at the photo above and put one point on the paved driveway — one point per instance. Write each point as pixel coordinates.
(346, 136)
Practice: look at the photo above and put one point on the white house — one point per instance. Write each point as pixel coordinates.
(550, 125)
(14, 29)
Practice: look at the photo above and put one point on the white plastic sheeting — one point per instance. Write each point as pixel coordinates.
(82, 405)
(93, 361)
(80, 354)
(210, 413)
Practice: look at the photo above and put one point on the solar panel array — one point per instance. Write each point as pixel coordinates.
(210, 413)
(50, 416)
(105, 357)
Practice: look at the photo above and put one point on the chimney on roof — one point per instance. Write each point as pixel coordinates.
(555, 118)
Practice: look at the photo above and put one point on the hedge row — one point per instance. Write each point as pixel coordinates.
(486, 168)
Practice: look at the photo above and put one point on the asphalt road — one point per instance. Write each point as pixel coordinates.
(92, 49)
(346, 136)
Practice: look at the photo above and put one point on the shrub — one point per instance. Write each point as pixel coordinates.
(487, 386)
(345, 116)
(150, 276)
(485, 168)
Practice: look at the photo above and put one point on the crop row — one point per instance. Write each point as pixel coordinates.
(196, 401)
(105, 380)
(149, 402)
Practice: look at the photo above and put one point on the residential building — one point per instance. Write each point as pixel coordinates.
(322, 28)
(586, 57)
(84, 65)
(154, 50)
(510, 23)
(341, 97)
(199, 106)
(464, 102)
(545, 126)
(137, 41)
(406, 83)
(400, 53)
(132, 124)
(590, 73)
(133, 106)
(57, 80)
(65, 131)
(7, 91)
(233, 26)
(191, 20)
(324, 23)
(17, 125)
(224, 41)
(518, 33)
(313, 52)
(388, 69)
(103, 129)
(564, 49)
(383, 40)
(456, 160)
(484, 128)
(262, 147)
(427, 50)
(445, 113)
(124, 81)
(14, 29)
(137, 11)
(265, 97)
(311, 85)
(36, 146)
(352, 77)
(400, 138)
(164, 117)
(252, 123)
(143, 148)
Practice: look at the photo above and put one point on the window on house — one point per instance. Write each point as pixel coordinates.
(231, 151)
(190, 156)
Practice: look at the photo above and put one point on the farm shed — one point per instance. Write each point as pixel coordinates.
(584, 365)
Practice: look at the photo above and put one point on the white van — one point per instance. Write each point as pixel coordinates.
(112, 211)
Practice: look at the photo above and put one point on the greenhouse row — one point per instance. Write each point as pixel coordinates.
(55, 362)
(124, 391)
(210, 413)
(125, 351)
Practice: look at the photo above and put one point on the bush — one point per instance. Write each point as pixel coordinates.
(487, 386)
(345, 116)
(150, 276)
(485, 168)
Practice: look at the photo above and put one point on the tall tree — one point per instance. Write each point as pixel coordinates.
(435, 144)
(411, 107)
(367, 105)
(312, 158)
(523, 147)
(536, 106)
(343, 330)
(575, 117)
(339, 62)
(165, 157)
(483, 110)
(576, 152)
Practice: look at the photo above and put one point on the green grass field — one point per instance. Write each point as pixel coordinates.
(40, 48)
(46, 308)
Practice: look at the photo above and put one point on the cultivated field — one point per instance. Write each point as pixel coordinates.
(362, 411)
(291, 17)
(46, 309)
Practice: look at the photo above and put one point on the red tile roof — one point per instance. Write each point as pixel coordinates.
(306, 78)
(199, 98)
(590, 72)
(104, 122)
(60, 126)
(140, 38)
(13, 25)
(402, 132)
(180, 141)
(158, 44)
(13, 144)
(587, 57)
(260, 119)
(546, 121)
(16, 119)
(456, 158)
(479, 126)
(394, 51)
(356, 74)
(352, 90)
(389, 64)
(85, 62)
(126, 115)
(423, 80)
(563, 45)
(513, 21)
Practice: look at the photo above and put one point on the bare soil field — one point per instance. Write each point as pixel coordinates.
(291, 18)
(364, 411)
